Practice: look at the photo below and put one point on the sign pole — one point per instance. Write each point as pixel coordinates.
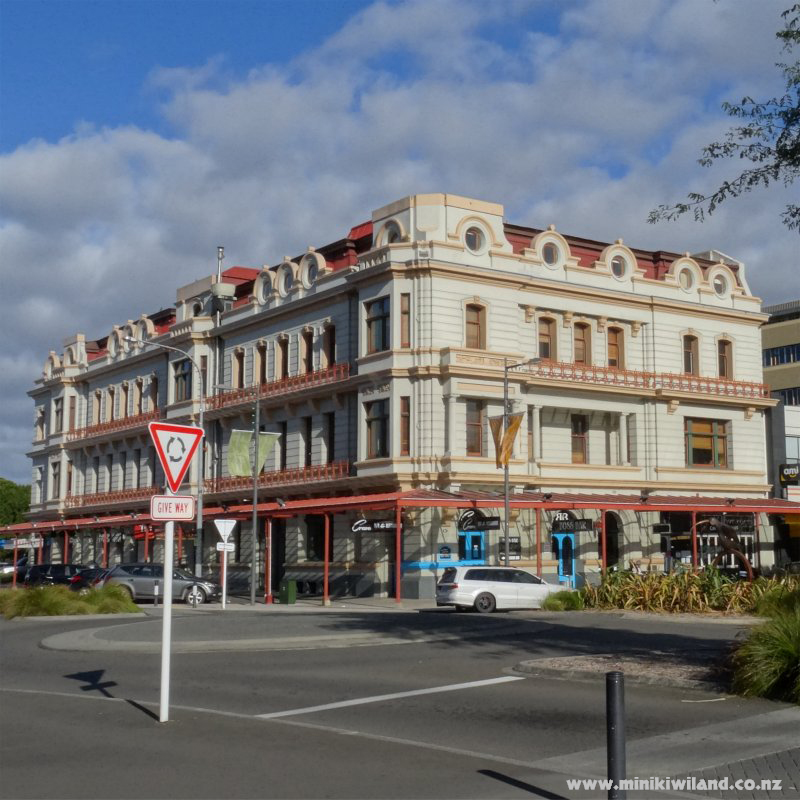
(166, 626)
(224, 577)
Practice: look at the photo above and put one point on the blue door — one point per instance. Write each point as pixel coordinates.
(564, 548)
(471, 547)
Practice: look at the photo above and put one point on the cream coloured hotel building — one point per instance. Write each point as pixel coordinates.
(379, 360)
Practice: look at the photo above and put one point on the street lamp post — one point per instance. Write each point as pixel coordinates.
(506, 499)
(254, 532)
(198, 539)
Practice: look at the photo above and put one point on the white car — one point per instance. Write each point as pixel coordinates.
(487, 589)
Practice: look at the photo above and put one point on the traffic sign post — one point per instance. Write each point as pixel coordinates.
(224, 528)
(175, 446)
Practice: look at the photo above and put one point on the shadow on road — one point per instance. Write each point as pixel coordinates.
(94, 683)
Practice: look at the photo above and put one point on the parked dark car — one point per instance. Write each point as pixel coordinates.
(50, 574)
(89, 578)
(140, 581)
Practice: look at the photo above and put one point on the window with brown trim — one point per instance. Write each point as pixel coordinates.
(690, 356)
(582, 343)
(330, 436)
(405, 426)
(261, 353)
(377, 416)
(330, 346)
(405, 320)
(475, 414)
(58, 415)
(724, 360)
(547, 339)
(308, 441)
(238, 369)
(308, 351)
(616, 348)
(378, 328)
(283, 358)
(579, 435)
(475, 324)
(706, 443)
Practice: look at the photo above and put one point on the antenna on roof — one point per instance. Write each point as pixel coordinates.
(220, 258)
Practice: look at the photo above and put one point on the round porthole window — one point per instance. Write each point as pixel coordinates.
(720, 285)
(619, 266)
(392, 233)
(285, 282)
(474, 239)
(112, 346)
(265, 290)
(550, 254)
(686, 279)
(312, 270)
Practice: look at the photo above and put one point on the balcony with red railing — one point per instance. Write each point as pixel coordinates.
(112, 426)
(279, 388)
(119, 497)
(317, 473)
(654, 381)
(611, 377)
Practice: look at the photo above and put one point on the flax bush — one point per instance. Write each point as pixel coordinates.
(709, 590)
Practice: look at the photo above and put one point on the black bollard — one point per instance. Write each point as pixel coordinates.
(615, 733)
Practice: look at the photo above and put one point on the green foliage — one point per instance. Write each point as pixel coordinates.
(15, 500)
(563, 601)
(47, 601)
(768, 663)
(768, 137)
(777, 599)
(677, 592)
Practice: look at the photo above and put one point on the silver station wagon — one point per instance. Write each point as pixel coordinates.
(488, 589)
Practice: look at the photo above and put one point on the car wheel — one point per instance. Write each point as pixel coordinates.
(485, 603)
(199, 598)
(126, 589)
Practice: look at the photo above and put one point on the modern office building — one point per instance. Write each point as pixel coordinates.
(781, 342)
(381, 360)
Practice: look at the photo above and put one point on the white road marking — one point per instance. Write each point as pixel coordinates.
(381, 697)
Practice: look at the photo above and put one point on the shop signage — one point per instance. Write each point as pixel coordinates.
(662, 528)
(514, 548)
(564, 523)
(789, 474)
(373, 525)
(474, 520)
(445, 552)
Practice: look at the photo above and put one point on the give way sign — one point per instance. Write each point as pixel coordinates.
(176, 446)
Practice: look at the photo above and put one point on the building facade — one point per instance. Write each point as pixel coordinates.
(379, 360)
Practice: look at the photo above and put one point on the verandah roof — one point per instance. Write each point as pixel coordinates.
(432, 498)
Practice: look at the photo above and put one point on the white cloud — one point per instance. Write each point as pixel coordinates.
(587, 128)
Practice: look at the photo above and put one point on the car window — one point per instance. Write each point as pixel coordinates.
(499, 575)
(146, 571)
(449, 575)
(158, 570)
(525, 577)
(476, 575)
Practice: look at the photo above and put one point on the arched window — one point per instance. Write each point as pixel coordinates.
(547, 339)
(582, 343)
(690, 355)
(616, 348)
(475, 324)
(724, 358)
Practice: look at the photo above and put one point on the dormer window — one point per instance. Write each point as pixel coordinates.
(550, 254)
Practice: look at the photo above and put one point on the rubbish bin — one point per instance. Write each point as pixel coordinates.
(287, 594)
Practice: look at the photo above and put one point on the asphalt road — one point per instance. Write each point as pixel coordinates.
(368, 705)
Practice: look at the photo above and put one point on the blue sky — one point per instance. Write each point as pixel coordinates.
(137, 135)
